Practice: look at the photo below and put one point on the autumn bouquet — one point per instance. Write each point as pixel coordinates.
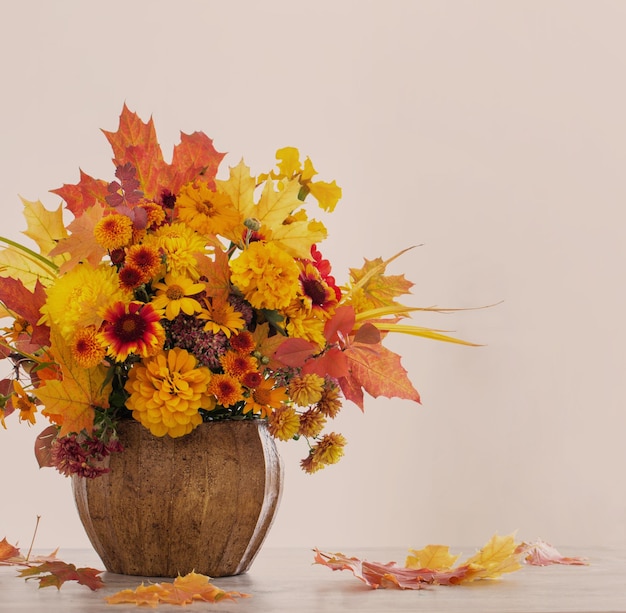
(174, 297)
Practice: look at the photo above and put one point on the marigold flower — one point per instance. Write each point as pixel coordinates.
(307, 389)
(113, 231)
(86, 349)
(208, 211)
(303, 323)
(166, 392)
(265, 397)
(266, 275)
(79, 298)
(284, 423)
(226, 389)
(173, 296)
(220, 316)
(132, 328)
(145, 258)
(311, 423)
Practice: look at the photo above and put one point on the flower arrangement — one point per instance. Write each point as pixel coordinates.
(174, 297)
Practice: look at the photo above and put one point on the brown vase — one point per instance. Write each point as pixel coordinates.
(203, 502)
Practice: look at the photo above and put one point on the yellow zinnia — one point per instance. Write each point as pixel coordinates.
(166, 392)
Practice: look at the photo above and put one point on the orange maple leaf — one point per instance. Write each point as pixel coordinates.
(183, 590)
(84, 194)
(8, 552)
(70, 402)
(378, 371)
(81, 244)
(56, 573)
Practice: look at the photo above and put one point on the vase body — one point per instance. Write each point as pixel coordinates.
(168, 506)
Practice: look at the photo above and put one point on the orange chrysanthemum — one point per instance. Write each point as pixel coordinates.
(145, 258)
(86, 349)
(226, 389)
(113, 231)
(131, 277)
(237, 364)
(132, 328)
(242, 342)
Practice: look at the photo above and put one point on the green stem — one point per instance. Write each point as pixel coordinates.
(51, 266)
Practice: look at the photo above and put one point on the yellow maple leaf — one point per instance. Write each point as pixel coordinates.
(298, 237)
(497, 557)
(70, 402)
(43, 226)
(434, 557)
(239, 187)
(21, 263)
(276, 205)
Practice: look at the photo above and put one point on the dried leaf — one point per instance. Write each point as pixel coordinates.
(84, 194)
(431, 565)
(26, 303)
(56, 573)
(541, 553)
(184, 590)
(8, 552)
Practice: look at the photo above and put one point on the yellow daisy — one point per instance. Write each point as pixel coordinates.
(173, 296)
(221, 316)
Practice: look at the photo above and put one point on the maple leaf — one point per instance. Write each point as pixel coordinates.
(435, 557)
(22, 263)
(182, 591)
(326, 194)
(81, 245)
(70, 402)
(43, 226)
(56, 573)
(194, 155)
(378, 371)
(276, 205)
(8, 552)
(375, 288)
(497, 557)
(26, 303)
(216, 272)
(298, 236)
(540, 553)
(239, 187)
(267, 344)
(82, 195)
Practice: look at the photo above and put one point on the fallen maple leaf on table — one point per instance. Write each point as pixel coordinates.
(184, 590)
(541, 553)
(48, 570)
(433, 565)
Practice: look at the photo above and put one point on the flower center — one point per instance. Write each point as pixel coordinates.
(315, 291)
(130, 327)
(175, 292)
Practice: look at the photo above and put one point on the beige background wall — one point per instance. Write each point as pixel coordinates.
(493, 133)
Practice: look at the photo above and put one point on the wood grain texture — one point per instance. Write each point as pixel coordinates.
(202, 502)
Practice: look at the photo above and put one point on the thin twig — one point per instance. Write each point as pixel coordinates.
(32, 542)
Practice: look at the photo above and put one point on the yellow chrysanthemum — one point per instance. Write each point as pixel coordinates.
(226, 389)
(79, 298)
(311, 423)
(181, 246)
(307, 389)
(266, 275)
(166, 392)
(154, 212)
(284, 423)
(113, 231)
(303, 323)
(328, 450)
(173, 296)
(330, 402)
(266, 397)
(86, 349)
(220, 316)
(207, 211)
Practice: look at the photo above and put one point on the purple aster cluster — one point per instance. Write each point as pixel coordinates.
(188, 333)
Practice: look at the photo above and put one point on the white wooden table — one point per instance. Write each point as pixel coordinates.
(285, 580)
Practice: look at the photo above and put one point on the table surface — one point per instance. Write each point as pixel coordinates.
(286, 580)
